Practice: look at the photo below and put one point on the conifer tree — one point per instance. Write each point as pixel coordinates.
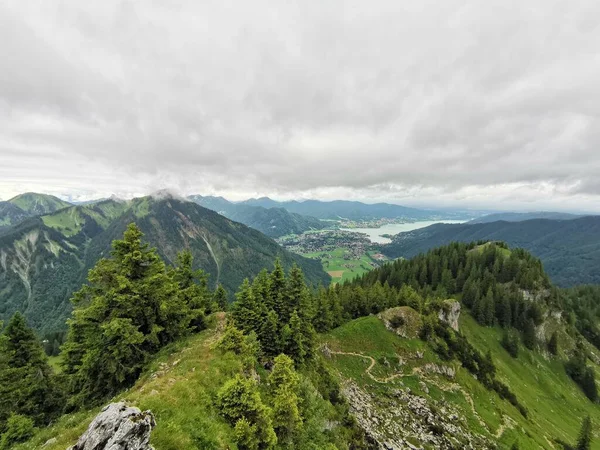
(584, 441)
(128, 311)
(220, 298)
(553, 344)
(245, 311)
(275, 298)
(27, 384)
(239, 400)
(295, 345)
(283, 382)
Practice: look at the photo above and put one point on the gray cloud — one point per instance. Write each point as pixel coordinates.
(456, 102)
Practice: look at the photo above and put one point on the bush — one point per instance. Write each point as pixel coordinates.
(18, 429)
(397, 322)
(510, 342)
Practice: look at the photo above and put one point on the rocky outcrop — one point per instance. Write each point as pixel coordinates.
(450, 313)
(403, 420)
(118, 427)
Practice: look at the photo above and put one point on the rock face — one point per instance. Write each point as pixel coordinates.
(118, 427)
(450, 313)
(401, 420)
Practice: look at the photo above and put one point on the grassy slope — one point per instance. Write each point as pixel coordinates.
(555, 404)
(180, 387)
(189, 375)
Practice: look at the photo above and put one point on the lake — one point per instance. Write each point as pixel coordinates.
(375, 234)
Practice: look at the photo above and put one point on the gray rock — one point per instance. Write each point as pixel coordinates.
(118, 427)
(450, 314)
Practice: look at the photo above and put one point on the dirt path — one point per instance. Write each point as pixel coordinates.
(453, 387)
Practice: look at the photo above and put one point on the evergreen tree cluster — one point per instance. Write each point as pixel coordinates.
(30, 392)
(280, 311)
(132, 306)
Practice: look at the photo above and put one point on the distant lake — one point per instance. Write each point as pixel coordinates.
(375, 234)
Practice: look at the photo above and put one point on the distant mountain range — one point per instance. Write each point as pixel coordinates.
(342, 209)
(569, 249)
(273, 221)
(520, 217)
(45, 258)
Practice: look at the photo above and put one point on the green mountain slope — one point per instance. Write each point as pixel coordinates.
(43, 260)
(569, 249)
(38, 204)
(11, 215)
(396, 391)
(274, 222)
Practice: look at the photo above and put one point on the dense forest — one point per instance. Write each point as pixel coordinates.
(569, 249)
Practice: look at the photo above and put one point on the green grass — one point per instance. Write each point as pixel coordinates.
(555, 404)
(334, 263)
(55, 362)
(181, 398)
(68, 221)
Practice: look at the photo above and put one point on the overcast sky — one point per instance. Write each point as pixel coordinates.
(486, 103)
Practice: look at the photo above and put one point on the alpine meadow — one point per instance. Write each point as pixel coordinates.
(299, 226)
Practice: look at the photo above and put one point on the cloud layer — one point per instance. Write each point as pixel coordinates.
(486, 104)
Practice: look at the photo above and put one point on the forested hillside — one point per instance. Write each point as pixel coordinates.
(44, 259)
(467, 346)
(11, 215)
(569, 249)
(274, 222)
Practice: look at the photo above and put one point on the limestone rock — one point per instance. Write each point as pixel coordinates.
(118, 427)
(450, 313)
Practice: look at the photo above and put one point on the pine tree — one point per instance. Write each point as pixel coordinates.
(584, 441)
(283, 383)
(128, 311)
(245, 311)
(220, 298)
(27, 384)
(295, 345)
(239, 400)
(268, 334)
(296, 297)
(529, 335)
(553, 344)
(277, 283)
(193, 292)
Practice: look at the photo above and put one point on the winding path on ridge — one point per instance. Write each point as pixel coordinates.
(417, 371)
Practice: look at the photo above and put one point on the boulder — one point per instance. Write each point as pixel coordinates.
(118, 427)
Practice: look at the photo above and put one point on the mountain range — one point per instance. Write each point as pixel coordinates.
(569, 249)
(520, 217)
(43, 259)
(351, 210)
(273, 221)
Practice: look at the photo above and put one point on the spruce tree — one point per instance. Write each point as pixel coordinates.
(220, 298)
(27, 383)
(283, 384)
(128, 311)
(553, 344)
(245, 311)
(276, 291)
(584, 441)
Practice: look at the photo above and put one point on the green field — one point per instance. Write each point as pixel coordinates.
(341, 269)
